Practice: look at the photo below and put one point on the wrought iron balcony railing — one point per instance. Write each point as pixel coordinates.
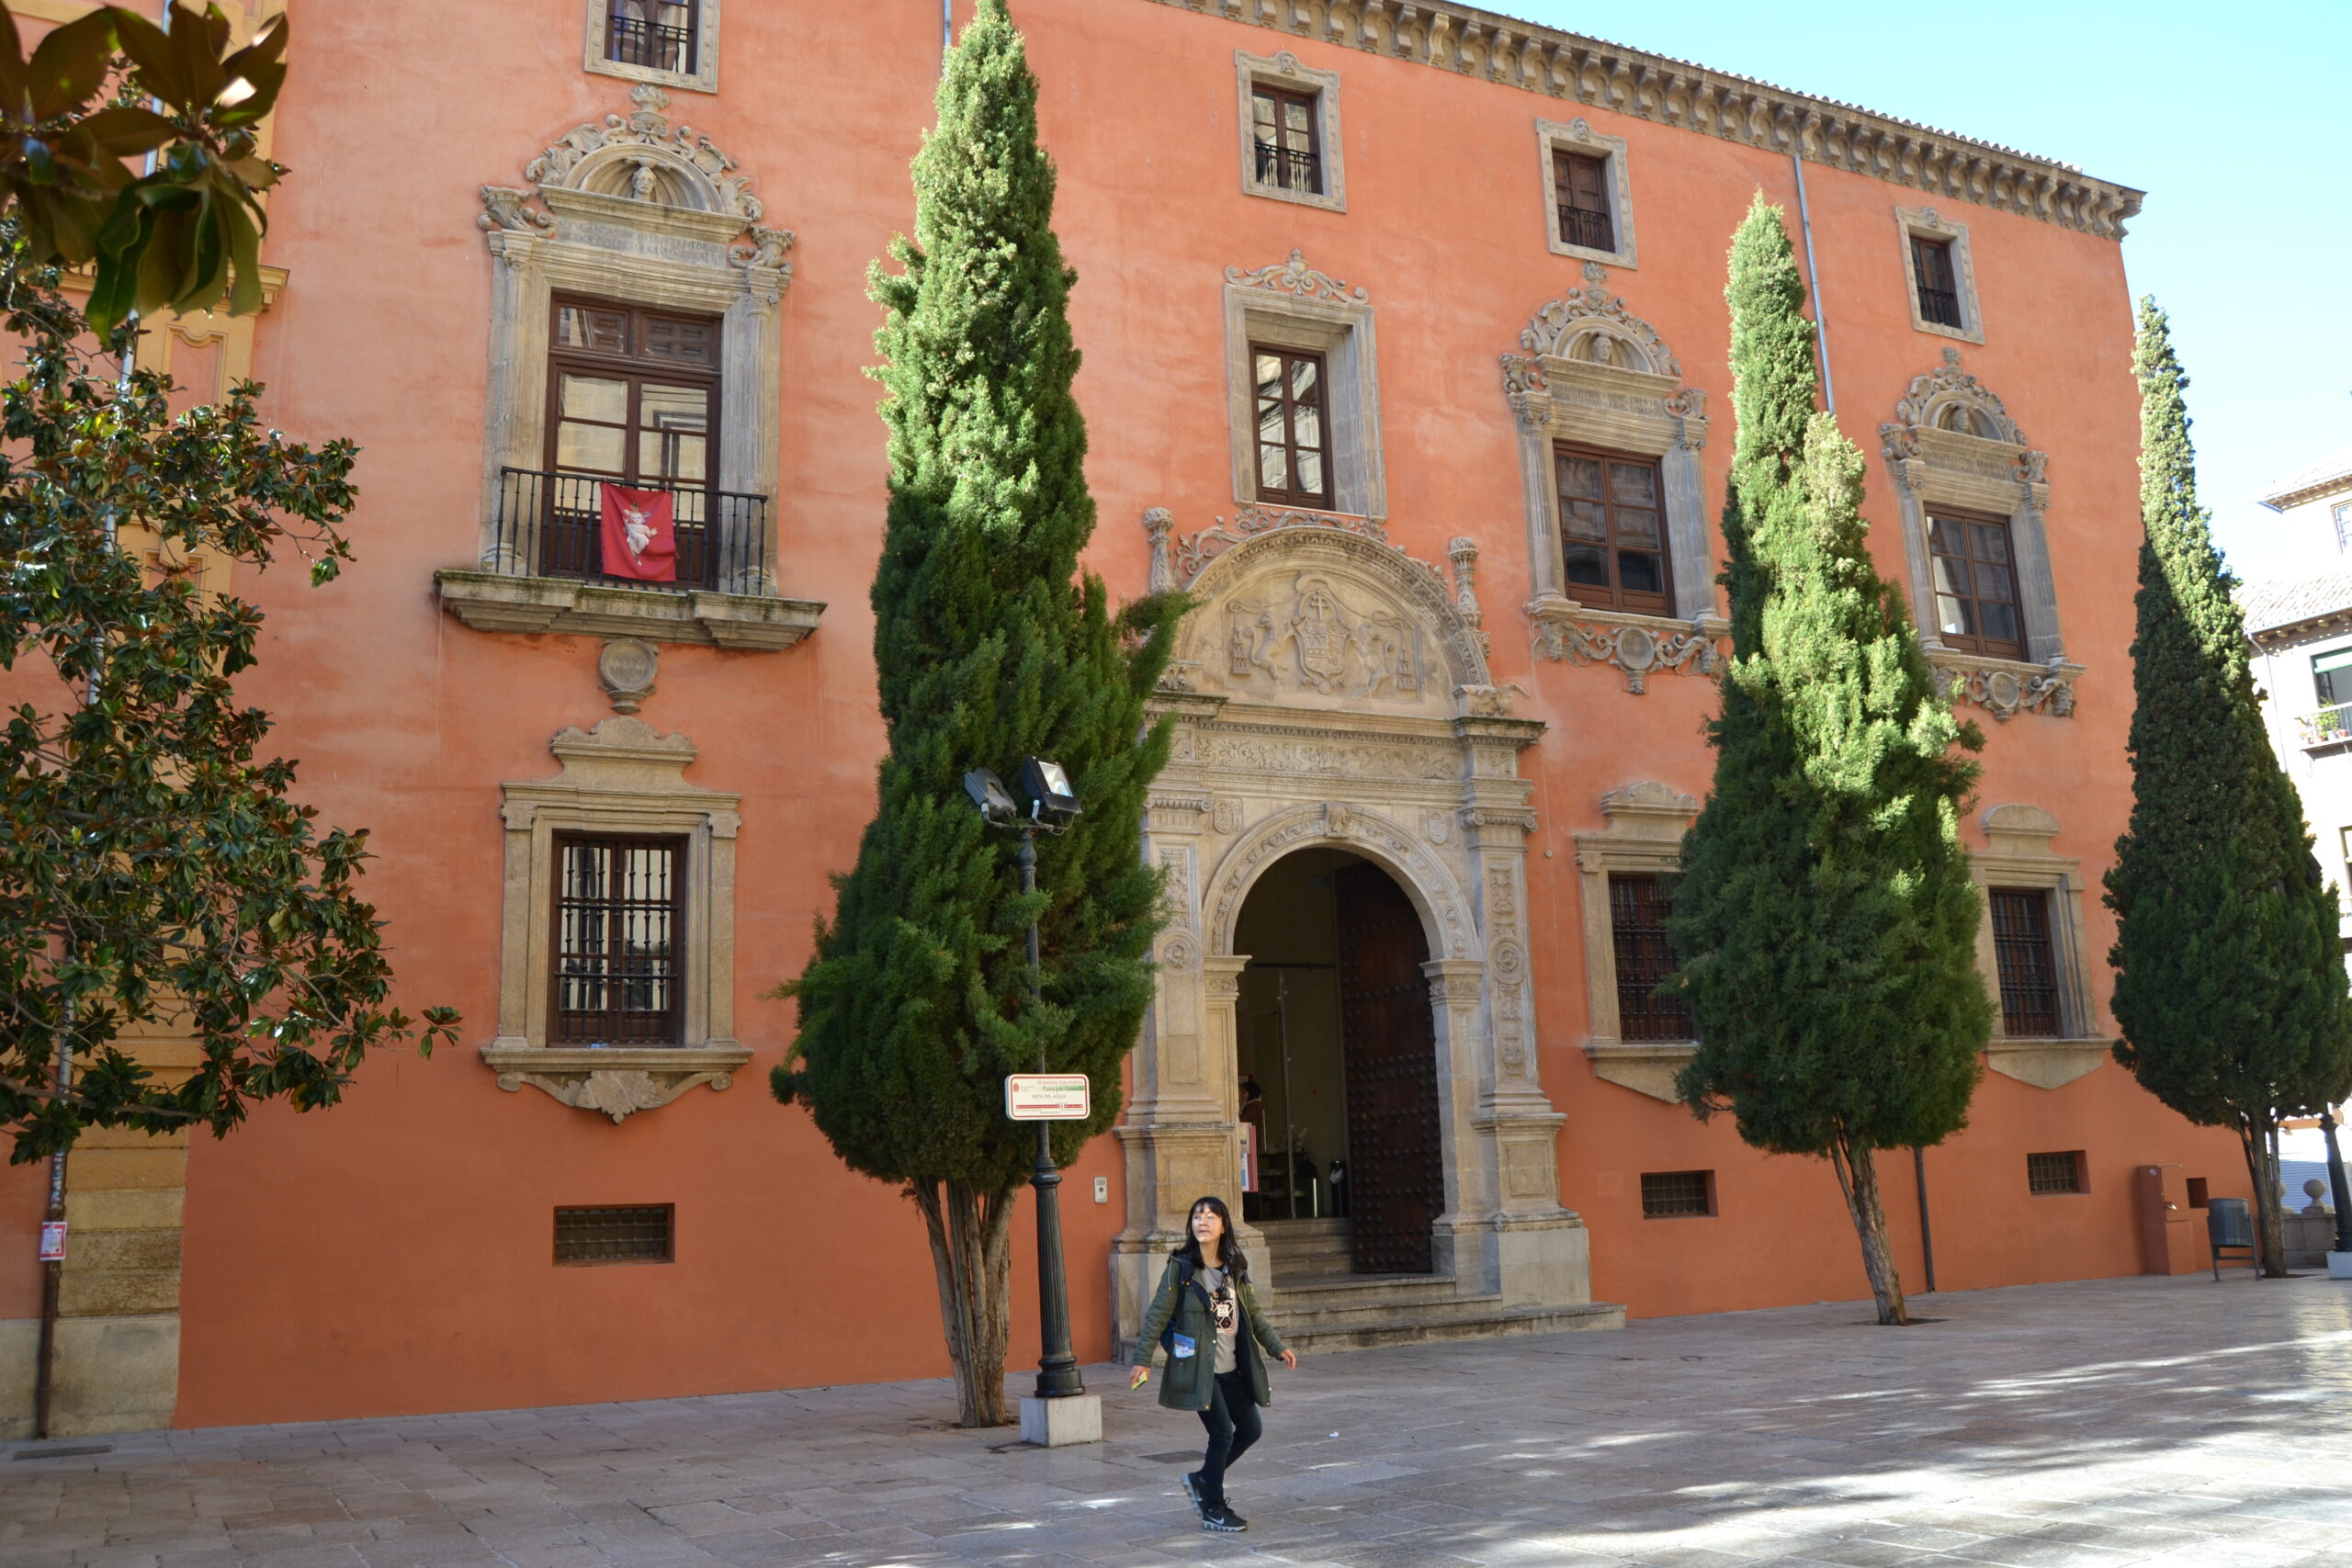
(1289, 168)
(550, 525)
(1582, 226)
(2329, 727)
(635, 38)
(1940, 306)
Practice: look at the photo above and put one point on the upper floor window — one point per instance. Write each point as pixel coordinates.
(1941, 279)
(1976, 586)
(658, 34)
(1290, 130)
(1293, 427)
(673, 42)
(1638, 905)
(634, 393)
(1939, 282)
(2344, 525)
(2027, 963)
(2332, 677)
(617, 958)
(1582, 182)
(1613, 531)
(1289, 152)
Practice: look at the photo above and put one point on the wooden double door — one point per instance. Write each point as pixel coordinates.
(1397, 1157)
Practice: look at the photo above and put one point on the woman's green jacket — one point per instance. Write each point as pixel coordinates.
(1188, 1380)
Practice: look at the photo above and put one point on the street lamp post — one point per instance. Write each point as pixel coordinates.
(2336, 1190)
(1051, 805)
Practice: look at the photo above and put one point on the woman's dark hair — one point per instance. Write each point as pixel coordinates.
(1235, 1265)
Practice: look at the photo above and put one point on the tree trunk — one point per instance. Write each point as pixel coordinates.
(1858, 1180)
(2269, 1220)
(971, 1259)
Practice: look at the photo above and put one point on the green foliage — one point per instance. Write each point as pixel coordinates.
(189, 228)
(2230, 985)
(989, 646)
(153, 870)
(1824, 914)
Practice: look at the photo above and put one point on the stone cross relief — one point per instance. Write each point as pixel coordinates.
(1311, 639)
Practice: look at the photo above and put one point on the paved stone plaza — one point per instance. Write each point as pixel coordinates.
(2126, 1421)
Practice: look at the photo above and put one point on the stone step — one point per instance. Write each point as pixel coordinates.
(1366, 1292)
(1493, 1324)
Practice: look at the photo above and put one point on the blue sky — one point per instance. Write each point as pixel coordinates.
(2236, 120)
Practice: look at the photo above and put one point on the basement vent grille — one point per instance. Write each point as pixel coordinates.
(2059, 1172)
(637, 1234)
(1667, 1194)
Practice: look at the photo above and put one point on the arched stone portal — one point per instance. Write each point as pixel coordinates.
(1329, 690)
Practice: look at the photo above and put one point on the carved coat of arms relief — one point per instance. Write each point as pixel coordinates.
(1313, 637)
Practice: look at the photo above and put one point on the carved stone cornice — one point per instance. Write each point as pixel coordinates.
(1469, 42)
(1295, 278)
(2006, 687)
(615, 1081)
(1641, 646)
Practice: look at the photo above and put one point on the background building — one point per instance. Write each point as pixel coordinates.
(1406, 354)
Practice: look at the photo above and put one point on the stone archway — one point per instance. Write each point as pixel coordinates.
(1331, 690)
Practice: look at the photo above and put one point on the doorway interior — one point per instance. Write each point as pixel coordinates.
(1338, 1064)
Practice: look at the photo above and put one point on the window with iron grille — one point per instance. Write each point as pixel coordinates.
(1294, 429)
(1976, 586)
(2343, 513)
(2058, 1172)
(1670, 1194)
(656, 34)
(2026, 962)
(619, 954)
(1286, 141)
(1613, 531)
(1638, 905)
(640, 1232)
(1582, 182)
(1938, 281)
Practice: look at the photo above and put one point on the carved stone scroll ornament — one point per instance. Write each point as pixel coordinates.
(1177, 558)
(1639, 651)
(1295, 277)
(1593, 323)
(616, 1082)
(2006, 690)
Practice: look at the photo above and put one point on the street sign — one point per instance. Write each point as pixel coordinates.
(1046, 1097)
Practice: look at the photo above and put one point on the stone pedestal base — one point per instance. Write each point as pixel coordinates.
(2339, 1265)
(1058, 1423)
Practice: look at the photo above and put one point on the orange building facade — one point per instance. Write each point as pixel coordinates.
(1405, 348)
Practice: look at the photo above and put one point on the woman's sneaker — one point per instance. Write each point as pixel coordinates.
(1223, 1518)
(1192, 1490)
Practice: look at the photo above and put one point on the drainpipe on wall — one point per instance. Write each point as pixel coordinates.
(1820, 309)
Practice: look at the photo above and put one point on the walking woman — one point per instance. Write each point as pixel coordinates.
(1207, 1317)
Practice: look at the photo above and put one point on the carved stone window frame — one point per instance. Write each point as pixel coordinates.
(1285, 72)
(1988, 467)
(704, 78)
(1597, 375)
(644, 214)
(1577, 136)
(622, 779)
(1290, 305)
(1926, 223)
(2019, 854)
(1647, 822)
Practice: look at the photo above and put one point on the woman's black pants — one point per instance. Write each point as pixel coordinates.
(1233, 1424)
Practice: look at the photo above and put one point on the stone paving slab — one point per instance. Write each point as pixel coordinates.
(2172, 1423)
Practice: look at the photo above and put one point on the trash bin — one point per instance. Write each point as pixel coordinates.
(2229, 1228)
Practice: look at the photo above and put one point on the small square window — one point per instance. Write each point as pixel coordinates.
(1612, 530)
(2049, 1174)
(2026, 962)
(1677, 1194)
(1289, 132)
(1976, 585)
(641, 1233)
(1938, 280)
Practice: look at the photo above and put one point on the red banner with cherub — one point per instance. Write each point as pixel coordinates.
(641, 534)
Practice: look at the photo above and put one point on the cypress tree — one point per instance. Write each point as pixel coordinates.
(1825, 912)
(988, 647)
(2230, 985)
